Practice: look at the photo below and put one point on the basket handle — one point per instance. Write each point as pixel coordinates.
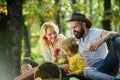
(60, 73)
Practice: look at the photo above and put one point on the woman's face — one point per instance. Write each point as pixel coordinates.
(51, 34)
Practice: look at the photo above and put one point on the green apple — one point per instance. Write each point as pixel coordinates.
(73, 78)
(61, 61)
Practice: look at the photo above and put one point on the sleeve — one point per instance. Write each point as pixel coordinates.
(46, 55)
(61, 37)
(98, 32)
(81, 65)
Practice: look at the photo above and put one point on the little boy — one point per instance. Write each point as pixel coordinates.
(75, 61)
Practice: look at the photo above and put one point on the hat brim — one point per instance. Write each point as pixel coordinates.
(81, 19)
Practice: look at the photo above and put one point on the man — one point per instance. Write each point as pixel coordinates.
(92, 45)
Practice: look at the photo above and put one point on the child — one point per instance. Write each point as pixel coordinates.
(75, 61)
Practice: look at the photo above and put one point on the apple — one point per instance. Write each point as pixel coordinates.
(73, 78)
(56, 50)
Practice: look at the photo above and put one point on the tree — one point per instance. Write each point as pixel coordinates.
(57, 17)
(73, 3)
(107, 13)
(26, 41)
(10, 40)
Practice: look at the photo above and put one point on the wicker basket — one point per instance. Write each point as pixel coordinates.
(46, 71)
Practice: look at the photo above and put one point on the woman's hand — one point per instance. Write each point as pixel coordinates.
(56, 53)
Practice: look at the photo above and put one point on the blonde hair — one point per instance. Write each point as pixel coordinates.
(45, 26)
(70, 44)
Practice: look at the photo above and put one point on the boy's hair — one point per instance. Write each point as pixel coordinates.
(70, 44)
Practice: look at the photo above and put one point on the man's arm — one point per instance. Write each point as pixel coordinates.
(106, 35)
(110, 35)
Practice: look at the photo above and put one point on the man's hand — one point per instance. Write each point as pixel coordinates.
(92, 46)
(108, 35)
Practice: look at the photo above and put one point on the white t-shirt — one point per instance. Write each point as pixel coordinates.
(93, 56)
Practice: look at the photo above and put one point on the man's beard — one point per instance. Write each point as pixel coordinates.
(80, 34)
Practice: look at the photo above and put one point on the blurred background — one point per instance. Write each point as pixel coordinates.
(21, 20)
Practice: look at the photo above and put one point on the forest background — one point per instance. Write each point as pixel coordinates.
(21, 20)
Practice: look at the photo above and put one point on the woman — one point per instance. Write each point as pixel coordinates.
(51, 41)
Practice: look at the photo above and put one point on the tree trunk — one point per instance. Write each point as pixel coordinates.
(73, 2)
(57, 15)
(10, 41)
(91, 4)
(26, 41)
(106, 22)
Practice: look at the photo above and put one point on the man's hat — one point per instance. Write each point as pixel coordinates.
(80, 17)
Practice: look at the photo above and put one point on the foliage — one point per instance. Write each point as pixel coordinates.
(3, 8)
(115, 15)
(36, 12)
